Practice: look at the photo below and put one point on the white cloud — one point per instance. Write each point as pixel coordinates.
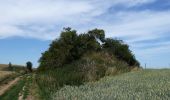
(46, 13)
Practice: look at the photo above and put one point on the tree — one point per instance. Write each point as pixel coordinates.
(98, 34)
(29, 66)
(121, 51)
(10, 66)
(61, 51)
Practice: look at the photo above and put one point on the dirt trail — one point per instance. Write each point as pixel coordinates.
(30, 88)
(20, 97)
(5, 87)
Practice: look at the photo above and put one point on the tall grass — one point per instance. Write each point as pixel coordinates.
(52, 80)
(90, 67)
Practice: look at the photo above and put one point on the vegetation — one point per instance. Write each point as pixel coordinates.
(142, 85)
(3, 67)
(81, 67)
(10, 66)
(6, 75)
(74, 59)
(29, 66)
(13, 93)
(121, 51)
(27, 86)
(93, 67)
(70, 46)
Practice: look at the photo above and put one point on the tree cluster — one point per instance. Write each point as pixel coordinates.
(70, 46)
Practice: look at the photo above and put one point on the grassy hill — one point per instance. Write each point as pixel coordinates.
(142, 85)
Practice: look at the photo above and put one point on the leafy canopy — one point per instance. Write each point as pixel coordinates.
(70, 46)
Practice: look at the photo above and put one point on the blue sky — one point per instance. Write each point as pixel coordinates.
(28, 26)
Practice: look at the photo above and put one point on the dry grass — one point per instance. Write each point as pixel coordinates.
(3, 67)
(5, 74)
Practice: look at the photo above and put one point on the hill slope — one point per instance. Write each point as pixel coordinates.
(143, 85)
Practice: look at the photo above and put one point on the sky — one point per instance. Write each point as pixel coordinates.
(27, 27)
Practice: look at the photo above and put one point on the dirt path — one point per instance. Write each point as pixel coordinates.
(31, 88)
(5, 87)
(20, 97)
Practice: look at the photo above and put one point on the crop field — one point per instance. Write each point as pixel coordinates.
(142, 85)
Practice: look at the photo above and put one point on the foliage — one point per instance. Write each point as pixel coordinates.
(143, 85)
(121, 51)
(10, 66)
(73, 59)
(12, 94)
(27, 86)
(91, 67)
(29, 66)
(70, 47)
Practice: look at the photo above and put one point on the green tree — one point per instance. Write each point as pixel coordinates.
(10, 66)
(98, 34)
(61, 50)
(29, 66)
(121, 51)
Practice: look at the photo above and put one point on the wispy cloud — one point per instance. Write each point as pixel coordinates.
(42, 14)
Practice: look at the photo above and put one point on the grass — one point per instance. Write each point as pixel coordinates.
(142, 85)
(21, 87)
(13, 93)
(90, 67)
(17, 68)
(33, 88)
(3, 67)
(6, 76)
(28, 81)
(52, 80)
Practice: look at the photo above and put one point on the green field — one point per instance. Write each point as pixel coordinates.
(138, 85)
(142, 85)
